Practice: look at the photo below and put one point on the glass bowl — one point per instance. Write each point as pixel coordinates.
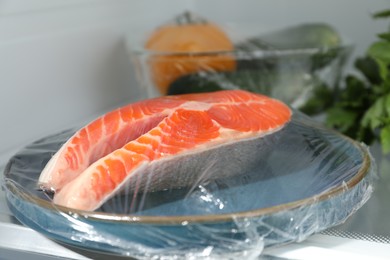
(289, 75)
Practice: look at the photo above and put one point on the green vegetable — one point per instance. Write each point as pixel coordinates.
(193, 83)
(361, 109)
(323, 41)
(250, 80)
(321, 100)
(304, 36)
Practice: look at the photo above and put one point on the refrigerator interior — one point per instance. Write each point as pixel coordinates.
(64, 62)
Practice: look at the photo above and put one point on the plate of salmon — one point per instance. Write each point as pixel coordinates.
(195, 175)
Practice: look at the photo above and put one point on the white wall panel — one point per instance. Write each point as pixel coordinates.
(65, 62)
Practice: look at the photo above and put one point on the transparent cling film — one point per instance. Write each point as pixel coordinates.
(303, 178)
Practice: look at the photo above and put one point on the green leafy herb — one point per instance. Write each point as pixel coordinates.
(385, 138)
(361, 108)
(384, 36)
(382, 14)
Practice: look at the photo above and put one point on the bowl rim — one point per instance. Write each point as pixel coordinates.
(253, 53)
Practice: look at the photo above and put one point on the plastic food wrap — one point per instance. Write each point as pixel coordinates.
(307, 178)
(193, 54)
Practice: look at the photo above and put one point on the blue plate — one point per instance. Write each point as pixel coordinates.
(307, 179)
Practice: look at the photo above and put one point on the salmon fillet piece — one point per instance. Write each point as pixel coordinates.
(161, 143)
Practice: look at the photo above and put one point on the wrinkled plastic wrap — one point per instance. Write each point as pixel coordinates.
(307, 178)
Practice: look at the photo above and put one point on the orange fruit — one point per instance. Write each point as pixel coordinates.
(187, 46)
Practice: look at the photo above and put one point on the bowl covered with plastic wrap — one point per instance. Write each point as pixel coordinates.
(192, 54)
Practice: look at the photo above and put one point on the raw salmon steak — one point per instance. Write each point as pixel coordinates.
(162, 143)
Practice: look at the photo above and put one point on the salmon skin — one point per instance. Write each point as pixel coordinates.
(161, 143)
